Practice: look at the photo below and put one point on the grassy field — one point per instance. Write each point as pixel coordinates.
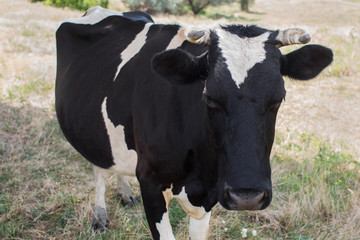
(46, 188)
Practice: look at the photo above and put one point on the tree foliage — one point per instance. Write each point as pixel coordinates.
(77, 4)
(245, 5)
(150, 6)
(197, 6)
(153, 6)
(172, 6)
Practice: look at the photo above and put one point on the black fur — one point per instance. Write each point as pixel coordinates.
(306, 62)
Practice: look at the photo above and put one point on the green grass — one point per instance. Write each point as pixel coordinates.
(37, 86)
(47, 190)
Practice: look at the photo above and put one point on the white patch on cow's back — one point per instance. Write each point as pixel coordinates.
(241, 54)
(177, 40)
(133, 48)
(93, 16)
(125, 160)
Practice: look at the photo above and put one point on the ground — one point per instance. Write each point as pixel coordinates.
(45, 187)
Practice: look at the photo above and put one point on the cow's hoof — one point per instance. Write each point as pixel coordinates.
(99, 225)
(100, 220)
(129, 202)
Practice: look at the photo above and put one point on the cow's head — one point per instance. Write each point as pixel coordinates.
(243, 90)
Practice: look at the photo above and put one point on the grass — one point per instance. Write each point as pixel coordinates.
(38, 86)
(230, 12)
(46, 189)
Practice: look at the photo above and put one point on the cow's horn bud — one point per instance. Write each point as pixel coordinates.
(293, 36)
(201, 37)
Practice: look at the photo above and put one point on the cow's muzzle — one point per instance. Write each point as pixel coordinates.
(246, 199)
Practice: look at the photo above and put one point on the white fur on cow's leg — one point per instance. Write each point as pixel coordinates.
(100, 218)
(198, 229)
(127, 197)
(199, 218)
(164, 226)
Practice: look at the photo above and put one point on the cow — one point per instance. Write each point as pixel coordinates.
(191, 112)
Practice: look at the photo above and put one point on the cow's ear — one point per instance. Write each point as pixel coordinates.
(180, 67)
(306, 62)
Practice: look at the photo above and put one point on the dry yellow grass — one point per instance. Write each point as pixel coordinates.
(46, 188)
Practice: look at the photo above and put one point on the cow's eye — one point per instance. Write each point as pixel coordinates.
(211, 102)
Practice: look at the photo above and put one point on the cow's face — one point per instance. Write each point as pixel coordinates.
(243, 91)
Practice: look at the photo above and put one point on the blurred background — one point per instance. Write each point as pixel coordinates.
(46, 188)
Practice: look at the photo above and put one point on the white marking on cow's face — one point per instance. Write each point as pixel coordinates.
(177, 40)
(198, 229)
(93, 16)
(133, 48)
(125, 160)
(241, 54)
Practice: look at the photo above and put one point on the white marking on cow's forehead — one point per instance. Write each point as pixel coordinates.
(133, 48)
(241, 54)
(177, 40)
(94, 15)
(125, 160)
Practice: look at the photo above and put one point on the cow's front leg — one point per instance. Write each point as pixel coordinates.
(199, 228)
(100, 218)
(199, 218)
(156, 208)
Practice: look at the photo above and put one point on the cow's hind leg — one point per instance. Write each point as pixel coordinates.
(127, 197)
(100, 218)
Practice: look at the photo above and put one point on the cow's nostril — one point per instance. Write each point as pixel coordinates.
(246, 199)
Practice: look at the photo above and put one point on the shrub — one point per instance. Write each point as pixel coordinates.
(153, 6)
(197, 6)
(77, 4)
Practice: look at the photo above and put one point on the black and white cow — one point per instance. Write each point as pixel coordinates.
(190, 112)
